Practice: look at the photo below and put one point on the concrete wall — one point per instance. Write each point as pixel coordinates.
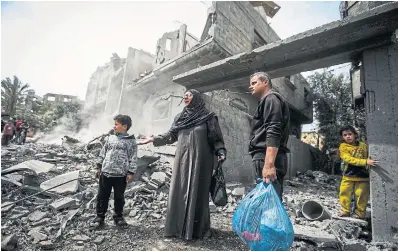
(235, 126)
(233, 30)
(108, 81)
(173, 44)
(145, 99)
(299, 158)
(137, 62)
(356, 7)
(235, 26)
(58, 98)
(103, 83)
(381, 79)
(91, 93)
(115, 78)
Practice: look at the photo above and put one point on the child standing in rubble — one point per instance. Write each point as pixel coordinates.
(355, 179)
(116, 165)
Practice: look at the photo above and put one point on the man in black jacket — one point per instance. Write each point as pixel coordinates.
(270, 132)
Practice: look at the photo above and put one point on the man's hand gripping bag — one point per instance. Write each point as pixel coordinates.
(261, 220)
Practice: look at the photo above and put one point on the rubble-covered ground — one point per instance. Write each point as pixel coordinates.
(58, 219)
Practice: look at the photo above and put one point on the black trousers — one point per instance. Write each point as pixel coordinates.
(104, 192)
(281, 170)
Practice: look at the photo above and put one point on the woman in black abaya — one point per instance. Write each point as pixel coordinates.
(200, 141)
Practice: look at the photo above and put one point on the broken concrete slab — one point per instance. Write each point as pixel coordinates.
(354, 246)
(14, 176)
(71, 187)
(152, 186)
(39, 155)
(37, 236)
(133, 213)
(62, 203)
(10, 181)
(315, 235)
(159, 177)
(99, 239)
(80, 238)
(18, 213)
(9, 243)
(36, 166)
(156, 216)
(4, 152)
(41, 222)
(47, 245)
(37, 216)
(238, 191)
(143, 163)
(359, 222)
(6, 207)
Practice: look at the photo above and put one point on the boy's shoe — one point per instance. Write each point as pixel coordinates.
(98, 222)
(356, 216)
(344, 214)
(119, 221)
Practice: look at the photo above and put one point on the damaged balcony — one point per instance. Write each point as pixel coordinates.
(331, 44)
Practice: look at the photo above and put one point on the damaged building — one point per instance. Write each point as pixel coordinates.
(141, 84)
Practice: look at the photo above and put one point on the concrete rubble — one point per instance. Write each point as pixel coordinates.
(59, 218)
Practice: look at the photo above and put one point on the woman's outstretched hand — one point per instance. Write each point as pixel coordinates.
(145, 140)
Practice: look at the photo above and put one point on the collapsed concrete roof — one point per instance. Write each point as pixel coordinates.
(334, 43)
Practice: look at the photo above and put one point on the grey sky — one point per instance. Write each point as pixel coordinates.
(56, 46)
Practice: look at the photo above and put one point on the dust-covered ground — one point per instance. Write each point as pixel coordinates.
(58, 219)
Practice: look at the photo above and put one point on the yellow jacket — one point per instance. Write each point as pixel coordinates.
(354, 157)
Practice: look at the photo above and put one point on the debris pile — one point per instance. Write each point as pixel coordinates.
(329, 232)
(49, 192)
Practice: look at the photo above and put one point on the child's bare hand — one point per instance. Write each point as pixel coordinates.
(371, 162)
(129, 178)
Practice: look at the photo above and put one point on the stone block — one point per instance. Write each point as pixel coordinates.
(71, 187)
(37, 216)
(62, 203)
(9, 243)
(239, 191)
(33, 165)
(316, 235)
(83, 238)
(159, 177)
(99, 240)
(37, 236)
(47, 245)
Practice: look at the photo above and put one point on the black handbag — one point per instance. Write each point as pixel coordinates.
(218, 189)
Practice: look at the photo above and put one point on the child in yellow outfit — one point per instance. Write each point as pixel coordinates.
(355, 174)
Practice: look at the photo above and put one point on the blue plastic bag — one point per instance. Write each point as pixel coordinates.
(261, 220)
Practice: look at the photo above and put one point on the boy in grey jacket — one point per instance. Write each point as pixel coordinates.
(116, 165)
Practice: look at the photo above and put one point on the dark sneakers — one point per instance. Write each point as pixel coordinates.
(119, 221)
(98, 222)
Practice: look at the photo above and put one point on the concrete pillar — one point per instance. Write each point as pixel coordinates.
(381, 85)
(181, 39)
(129, 73)
(260, 9)
(96, 87)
